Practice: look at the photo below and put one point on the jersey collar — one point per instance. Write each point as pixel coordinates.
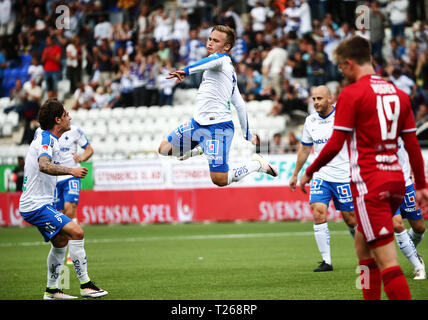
(332, 111)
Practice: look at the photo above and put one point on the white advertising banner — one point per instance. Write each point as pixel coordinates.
(169, 173)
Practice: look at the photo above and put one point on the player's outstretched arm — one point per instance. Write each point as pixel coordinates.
(46, 166)
(302, 156)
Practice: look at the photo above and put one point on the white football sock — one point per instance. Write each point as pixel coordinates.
(55, 263)
(237, 173)
(415, 237)
(322, 237)
(78, 256)
(408, 249)
(68, 254)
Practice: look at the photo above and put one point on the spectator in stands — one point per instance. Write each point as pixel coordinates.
(289, 103)
(137, 70)
(145, 27)
(293, 143)
(403, 82)
(83, 96)
(103, 61)
(17, 97)
(421, 115)
(30, 108)
(273, 66)
(240, 50)
(36, 70)
(317, 63)
(163, 25)
(258, 16)
(101, 98)
(277, 146)
(103, 30)
(126, 88)
(299, 73)
(377, 29)
(181, 28)
(164, 53)
(51, 58)
(397, 10)
(74, 63)
(150, 76)
(192, 51)
(166, 86)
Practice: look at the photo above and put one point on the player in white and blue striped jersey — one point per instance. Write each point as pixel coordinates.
(408, 241)
(332, 181)
(211, 129)
(42, 165)
(67, 191)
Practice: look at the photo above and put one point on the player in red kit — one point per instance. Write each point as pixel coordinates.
(370, 115)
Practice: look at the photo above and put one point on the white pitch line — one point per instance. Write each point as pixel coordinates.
(174, 238)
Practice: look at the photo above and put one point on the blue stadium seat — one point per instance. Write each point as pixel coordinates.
(25, 59)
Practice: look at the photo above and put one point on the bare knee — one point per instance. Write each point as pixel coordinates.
(319, 212)
(165, 148)
(398, 224)
(220, 179)
(418, 226)
(350, 218)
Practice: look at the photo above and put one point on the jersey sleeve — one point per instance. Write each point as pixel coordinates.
(211, 62)
(241, 109)
(82, 140)
(45, 148)
(345, 112)
(306, 139)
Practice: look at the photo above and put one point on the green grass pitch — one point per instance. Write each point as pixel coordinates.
(217, 261)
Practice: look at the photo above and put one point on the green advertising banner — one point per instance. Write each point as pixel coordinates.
(6, 183)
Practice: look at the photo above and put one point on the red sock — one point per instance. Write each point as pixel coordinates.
(371, 282)
(395, 284)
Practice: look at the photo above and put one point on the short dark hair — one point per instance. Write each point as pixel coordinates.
(355, 48)
(50, 110)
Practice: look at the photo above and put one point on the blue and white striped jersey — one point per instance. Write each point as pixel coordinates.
(38, 188)
(217, 91)
(69, 143)
(317, 131)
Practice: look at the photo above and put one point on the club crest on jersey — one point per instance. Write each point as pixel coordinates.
(212, 147)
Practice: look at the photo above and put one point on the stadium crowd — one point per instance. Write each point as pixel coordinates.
(117, 53)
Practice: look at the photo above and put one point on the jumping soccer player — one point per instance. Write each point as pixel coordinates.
(332, 181)
(211, 129)
(36, 202)
(370, 115)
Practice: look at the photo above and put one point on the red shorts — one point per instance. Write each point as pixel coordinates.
(375, 203)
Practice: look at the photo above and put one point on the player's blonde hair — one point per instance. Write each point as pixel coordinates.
(230, 34)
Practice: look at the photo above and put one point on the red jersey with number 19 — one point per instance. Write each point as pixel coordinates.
(375, 112)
